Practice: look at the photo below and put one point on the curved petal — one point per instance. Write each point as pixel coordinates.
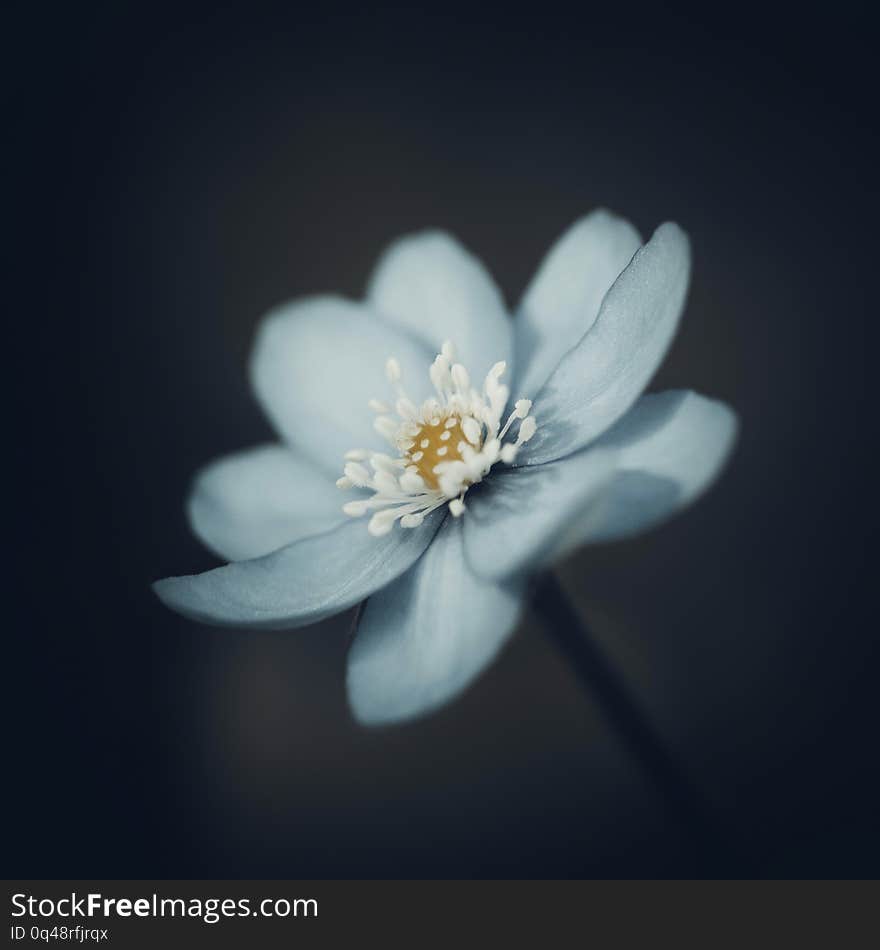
(670, 447)
(660, 457)
(597, 381)
(563, 299)
(248, 504)
(302, 583)
(316, 364)
(425, 638)
(516, 518)
(431, 286)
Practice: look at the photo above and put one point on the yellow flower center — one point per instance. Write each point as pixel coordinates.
(443, 447)
(439, 440)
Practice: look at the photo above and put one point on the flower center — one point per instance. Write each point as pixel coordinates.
(442, 439)
(441, 448)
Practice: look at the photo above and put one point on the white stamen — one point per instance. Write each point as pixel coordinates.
(527, 429)
(382, 522)
(385, 483)
(406, 409)
(471, 429)
(386, 427)
(382, 462)
(430, 408)
(358, 475)
(412, 482)
(408, 485)
(460, 378)
(497, 371)
(439, 373)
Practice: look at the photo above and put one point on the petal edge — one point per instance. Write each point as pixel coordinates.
(250, 503)
(424, 639)
(597, 381)
(300, 584)
(429, 285)
(563, 299)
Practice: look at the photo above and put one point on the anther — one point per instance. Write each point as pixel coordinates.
(527, 429)
(471, 429)
(382, 522)
(357, 475)
(460, 378)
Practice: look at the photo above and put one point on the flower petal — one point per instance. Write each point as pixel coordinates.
(316, 364)
(670, 447)
(597, 381)
(425, 638)
(432, 287)
(562, 301)
(302, 583)
(515, 519)
(657, 459)
(248, 504)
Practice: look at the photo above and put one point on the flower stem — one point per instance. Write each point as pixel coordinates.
(714, 851)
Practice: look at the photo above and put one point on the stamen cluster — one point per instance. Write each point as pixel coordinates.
(441, 448)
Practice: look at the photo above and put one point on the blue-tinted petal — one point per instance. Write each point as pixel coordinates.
(432, 287)
(424, 638)
(302, 583)
(562, 301)
(598, 380)
(248, 504)
(670, 447)
(316, 364)
(514, 520)
(662, 455)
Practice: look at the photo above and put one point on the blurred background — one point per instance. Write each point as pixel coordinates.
(186, 175)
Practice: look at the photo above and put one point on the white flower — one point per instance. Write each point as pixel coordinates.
(459, 516)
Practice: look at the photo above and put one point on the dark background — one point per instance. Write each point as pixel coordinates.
(188, 173)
